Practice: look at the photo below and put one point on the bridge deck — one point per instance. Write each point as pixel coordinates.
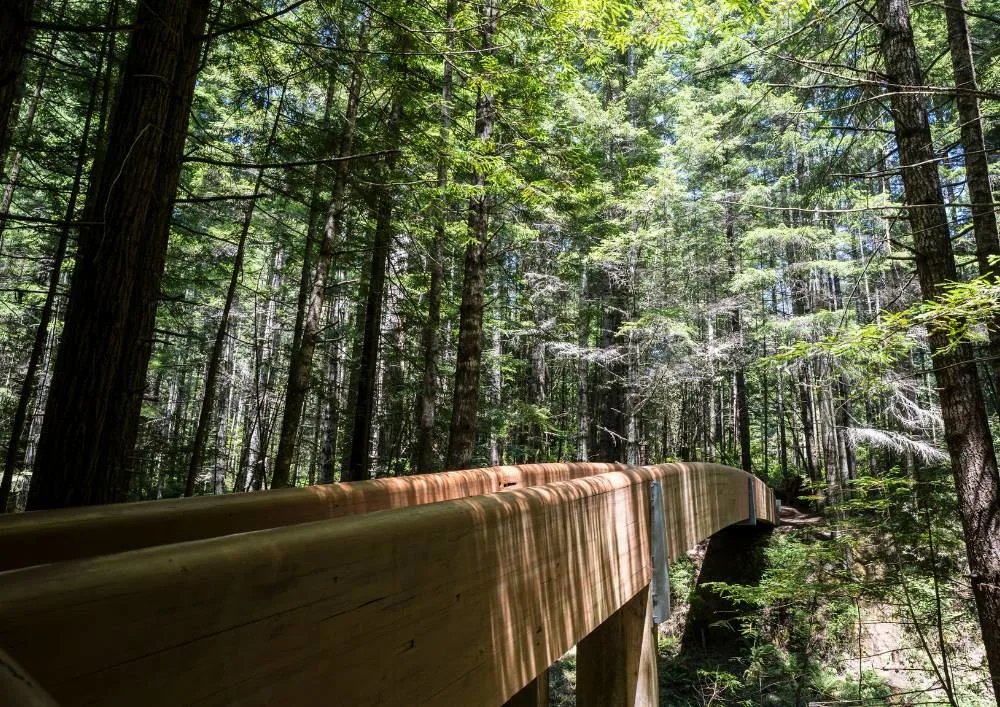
(458, 590)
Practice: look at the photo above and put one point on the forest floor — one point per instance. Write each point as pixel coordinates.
(894, 667)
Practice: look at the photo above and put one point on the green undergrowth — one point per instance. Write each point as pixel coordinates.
(797, 620)
(828, 594)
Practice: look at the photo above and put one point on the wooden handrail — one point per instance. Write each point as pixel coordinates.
(460, 602)
(41, 537)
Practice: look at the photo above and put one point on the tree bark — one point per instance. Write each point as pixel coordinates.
(267, 334)
(611, 400)
(92, 415)
(316, 209)
(495, 397)
(13, 455)
(300, 365)
(359, 465)
(742, 407)
(462, 437)
(977, 170)
(782, 437)
(583, 430)
(967, 432)
(331, 416)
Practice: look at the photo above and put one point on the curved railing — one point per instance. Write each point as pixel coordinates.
(456, 588)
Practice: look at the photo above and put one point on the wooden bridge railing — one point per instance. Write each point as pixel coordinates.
(457, 588)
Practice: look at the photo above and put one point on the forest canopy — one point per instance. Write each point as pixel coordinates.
(265, 243)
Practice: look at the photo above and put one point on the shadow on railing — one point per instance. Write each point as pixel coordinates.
(454, 589)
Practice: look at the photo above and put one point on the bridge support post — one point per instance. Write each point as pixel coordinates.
(735, 555)
(534, 694)
(616, 663)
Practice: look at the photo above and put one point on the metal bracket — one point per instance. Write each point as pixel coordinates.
(660, 585)
(752, 502)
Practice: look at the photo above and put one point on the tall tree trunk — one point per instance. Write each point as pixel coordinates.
(765, 422)
(392, 430)
(352, 371)
(268, 369)
(538, 395)
(300, 365)
(29, 116)
(426, 403)
(13, 455)
(316, 209)
(802, 383)
(92, 415)
(800, 305)
(14, 33)
(709, 422)
(230, 419)
(334, 376)
(967, 431)
(359, 465)
(215, 357)
(779, 397)
(743, 417)
(496, 398)
(633, 445)
(610, 414)
(827, 424)
(462, 436)
(331, 416)
(977, 170)
(843, 421)
(742, 407)
(583, 372)
(330, 401)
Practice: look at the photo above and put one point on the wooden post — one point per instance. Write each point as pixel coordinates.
(616, 663)
(534, 694)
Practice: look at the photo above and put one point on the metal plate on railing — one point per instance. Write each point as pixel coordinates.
(661, 576)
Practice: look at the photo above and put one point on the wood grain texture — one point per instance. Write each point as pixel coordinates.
(461, 602)
(52, 536)
(534, 694)
(616, 664)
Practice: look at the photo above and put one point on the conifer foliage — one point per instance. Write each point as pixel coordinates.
(259, 244)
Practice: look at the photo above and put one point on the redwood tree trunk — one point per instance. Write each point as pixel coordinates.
(967, 432)
(92, 416)
(13, 457)
(462, 438)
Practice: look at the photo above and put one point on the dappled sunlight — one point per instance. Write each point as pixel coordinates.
(49, 536)
(425, 590)
(570, 556)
